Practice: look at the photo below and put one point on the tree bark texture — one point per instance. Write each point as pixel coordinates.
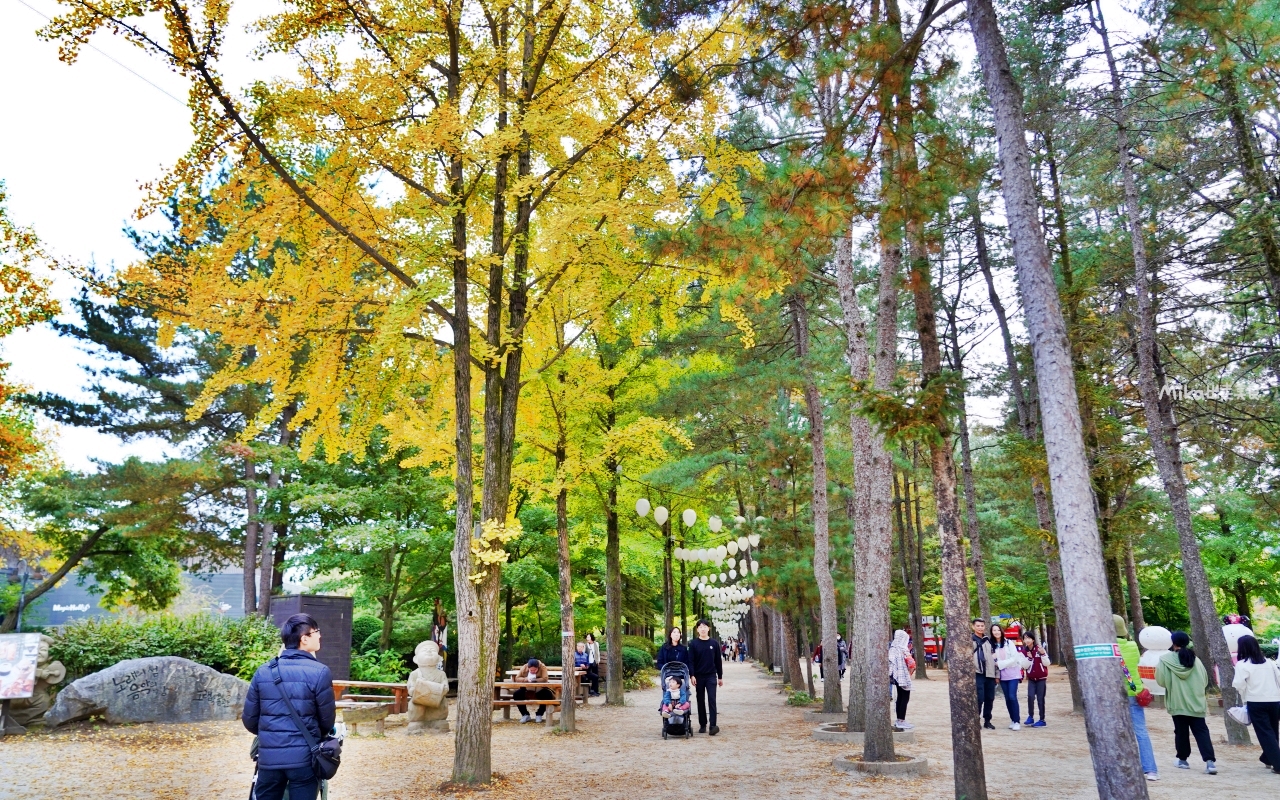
(831, 701)
(1162, 428)
(267, 560)
(790, 653)
(869, 697)
(568, 639)
(250, 536)
(966, 735)
(1111, 739)
(1031, 433)
(613, 588)
(970, 493)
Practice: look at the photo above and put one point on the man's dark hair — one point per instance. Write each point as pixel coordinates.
(295, 627)
(978, 619)
(700, 623)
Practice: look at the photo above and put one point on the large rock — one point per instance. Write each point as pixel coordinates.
(160, 689)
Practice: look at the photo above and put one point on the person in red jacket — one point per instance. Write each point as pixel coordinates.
(1037, 676)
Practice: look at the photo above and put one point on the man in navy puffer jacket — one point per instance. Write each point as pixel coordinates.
(284, 759)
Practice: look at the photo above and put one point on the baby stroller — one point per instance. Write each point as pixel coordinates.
(678, 723)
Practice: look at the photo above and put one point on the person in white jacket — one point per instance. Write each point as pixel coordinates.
(1258, 682)
(1011, 663)
(901, 664)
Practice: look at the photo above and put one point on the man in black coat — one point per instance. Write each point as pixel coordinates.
(707, 666)
(284, 757)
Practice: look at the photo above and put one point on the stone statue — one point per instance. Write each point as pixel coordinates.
(27, 710)
(428, 690)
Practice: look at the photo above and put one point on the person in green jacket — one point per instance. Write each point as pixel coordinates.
(1184, 680)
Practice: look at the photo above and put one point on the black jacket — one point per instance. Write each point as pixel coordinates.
(680, 652)
(309, 685)
(705, 658)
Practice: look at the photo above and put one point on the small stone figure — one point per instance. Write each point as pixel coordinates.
(428, 687)
(28, 710)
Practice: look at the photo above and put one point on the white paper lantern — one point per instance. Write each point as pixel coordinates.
(759, 519)
(660, 515)
(689, 517)
(715, 524)
(722, 552)
(642, 507)
(733, 574)
(723, 577)
(1155, 637)
(712, 577)
(693, 582)
(755, 567)
(742, 566)
(732, 547)
(678, 553)
(753, 539)
(739, 520)
(743, 543)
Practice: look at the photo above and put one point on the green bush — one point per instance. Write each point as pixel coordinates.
(547, 652)
(365, 629)
(388, 667)
(234, 646)
(800, 699)
(634, 660)
(640, 679)
(641, 643)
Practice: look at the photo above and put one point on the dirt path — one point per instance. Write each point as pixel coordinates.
(763, 751)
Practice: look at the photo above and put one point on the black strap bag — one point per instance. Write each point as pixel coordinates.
(326, 755)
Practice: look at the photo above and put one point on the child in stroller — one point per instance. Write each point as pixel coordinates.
(674, 704)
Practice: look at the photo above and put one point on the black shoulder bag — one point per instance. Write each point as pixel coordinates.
(326, 755)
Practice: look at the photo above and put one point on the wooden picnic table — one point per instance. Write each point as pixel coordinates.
(399, 697)
(510, 687)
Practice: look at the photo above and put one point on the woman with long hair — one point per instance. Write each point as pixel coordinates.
(1010, 662)
(673, 649)
(593, 665)
(1037, 676)
(1258, 682)
(1184, 680)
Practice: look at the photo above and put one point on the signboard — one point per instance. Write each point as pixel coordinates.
(18, 655)
(1084, 651)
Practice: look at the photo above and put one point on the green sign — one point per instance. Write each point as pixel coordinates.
(1097, 651)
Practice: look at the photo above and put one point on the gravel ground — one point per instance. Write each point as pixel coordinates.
(763, 751)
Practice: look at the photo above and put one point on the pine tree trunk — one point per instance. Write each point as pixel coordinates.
(1027, 426)
(831, 701)
(668, 584)
(1162, 428)
(790, 656)
(250, 536)
(1135, 591)
(869, 697)
(1111, 739)
(966, 735)
(971, 498)
(909, 545)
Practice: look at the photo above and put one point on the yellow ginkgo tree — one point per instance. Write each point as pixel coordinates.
(378, 233)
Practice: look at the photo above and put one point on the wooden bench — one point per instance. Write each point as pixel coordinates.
(356, 714)
(505, 702)
(398, 699)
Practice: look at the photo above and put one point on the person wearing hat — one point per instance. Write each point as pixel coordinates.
(1138, 716)
(1184, 680)
(532, 672)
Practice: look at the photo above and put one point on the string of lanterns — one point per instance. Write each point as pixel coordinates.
(726, 599)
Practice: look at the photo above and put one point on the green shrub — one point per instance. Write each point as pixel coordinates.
(800, 699)
(547, 652)
(234, 646)
(641, 643)
(1269, 650)
(634, 660)
(388, 667)
(640, 679)
(365, 628)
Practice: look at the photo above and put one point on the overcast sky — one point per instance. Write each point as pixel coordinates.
(76, 145)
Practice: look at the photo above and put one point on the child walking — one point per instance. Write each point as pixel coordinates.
(1037, 677)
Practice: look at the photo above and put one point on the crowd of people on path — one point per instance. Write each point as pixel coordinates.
(1184, 679)
(1003, 663)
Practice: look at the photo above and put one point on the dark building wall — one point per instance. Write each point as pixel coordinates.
(333, 614)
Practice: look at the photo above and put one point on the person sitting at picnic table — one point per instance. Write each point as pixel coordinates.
(533, 672)
(581, 659)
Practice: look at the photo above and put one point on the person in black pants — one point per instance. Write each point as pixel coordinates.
(985, 672)
(707, 667)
